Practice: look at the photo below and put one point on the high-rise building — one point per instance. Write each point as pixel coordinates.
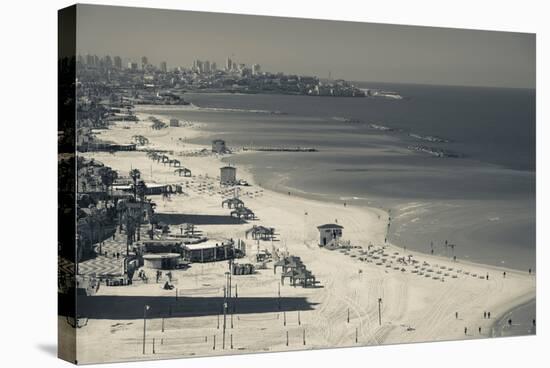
(144, 62)
(107, 62)
(228, 64)
(89, 60)
(206, 67)
(256, 70)
(163, 67)
(132, 65)
(198, 66)
(213, 67)
(118, 62)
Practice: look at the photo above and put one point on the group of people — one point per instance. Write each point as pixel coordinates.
(143, 276)
(485, 316)
(168, 285)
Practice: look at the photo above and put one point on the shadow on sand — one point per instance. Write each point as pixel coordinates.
(181, 218)
(131, 307)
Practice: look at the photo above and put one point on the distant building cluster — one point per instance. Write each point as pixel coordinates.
(204, 75)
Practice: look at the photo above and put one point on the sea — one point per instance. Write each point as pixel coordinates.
(482, 200)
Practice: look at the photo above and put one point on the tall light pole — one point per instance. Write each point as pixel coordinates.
(279, 296)
(380, 311)
(145, 309)
(224, 316)
(305, 227)
(229, 277)
(227, 284)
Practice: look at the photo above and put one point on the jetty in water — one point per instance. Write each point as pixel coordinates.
(281, 149)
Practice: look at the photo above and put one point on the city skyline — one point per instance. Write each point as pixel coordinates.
(374, 52)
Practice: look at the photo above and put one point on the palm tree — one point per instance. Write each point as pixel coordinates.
(153, 221)
(121, 210)
(129, 232)
(108, 177)
(140, 191)
(135, 174)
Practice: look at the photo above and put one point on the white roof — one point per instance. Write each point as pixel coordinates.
(161, 255)
(204, 245)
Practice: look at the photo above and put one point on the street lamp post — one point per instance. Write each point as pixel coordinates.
(224, 321)
(228, 283)
(145, 309)
(380, 311)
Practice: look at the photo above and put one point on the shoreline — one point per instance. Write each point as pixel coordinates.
(471, 263)
(295, 192)
(226, 159)
(415, 309)
(501, 319)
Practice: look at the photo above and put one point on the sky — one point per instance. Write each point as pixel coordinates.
(349, 50)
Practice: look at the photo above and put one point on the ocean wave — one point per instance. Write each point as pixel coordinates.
(346, 120)
(434, 151)
(384, 128)
(353, 198)
(429, 138)
(252, 111)
(194, 107)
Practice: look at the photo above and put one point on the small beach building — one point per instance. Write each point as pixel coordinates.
(329, 233)
(107, 147)
(160, 246)
(210, 251)
(174, 123)
(151, 189)
(228, 175)
(161, 261)
(218, 146)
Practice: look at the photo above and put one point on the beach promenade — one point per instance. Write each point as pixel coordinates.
(365, 295)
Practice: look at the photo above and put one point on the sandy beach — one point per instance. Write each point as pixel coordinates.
(441, 299)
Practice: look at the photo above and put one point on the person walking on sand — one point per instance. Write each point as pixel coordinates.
(484, 315)
(479, 329)
(504, 274)
(456, 315)
(465, 330)
(487, 277)
(489, 315)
